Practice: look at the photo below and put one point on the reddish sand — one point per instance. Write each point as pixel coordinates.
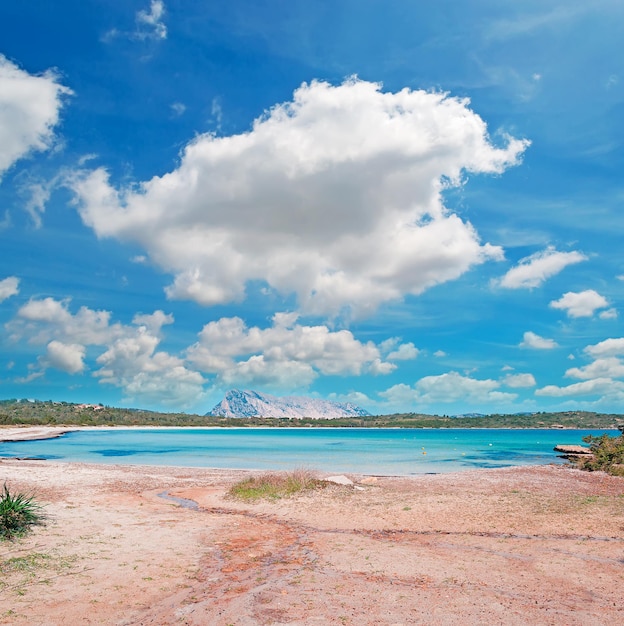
(536, 545)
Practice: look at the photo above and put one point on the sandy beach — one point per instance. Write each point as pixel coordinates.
(131, 545)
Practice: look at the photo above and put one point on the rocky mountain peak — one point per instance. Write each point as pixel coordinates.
(249, 403)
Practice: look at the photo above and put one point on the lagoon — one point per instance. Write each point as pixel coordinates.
(382, 451)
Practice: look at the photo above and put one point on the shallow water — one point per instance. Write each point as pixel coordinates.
(381, 451)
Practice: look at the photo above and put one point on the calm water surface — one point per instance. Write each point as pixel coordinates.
(359, 450)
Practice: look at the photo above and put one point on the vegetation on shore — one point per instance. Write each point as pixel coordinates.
(49, 413)
(18, 512)
(274, 486)
(607, 454)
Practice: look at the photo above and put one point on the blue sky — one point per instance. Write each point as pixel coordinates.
(413, 206)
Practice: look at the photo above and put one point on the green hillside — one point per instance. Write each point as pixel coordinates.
(28, 412)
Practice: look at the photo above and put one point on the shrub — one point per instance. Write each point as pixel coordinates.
(607, 454)
(273, 486)
(18, 512)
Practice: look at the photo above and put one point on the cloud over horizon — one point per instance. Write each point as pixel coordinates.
(448, 388)
(286, 354)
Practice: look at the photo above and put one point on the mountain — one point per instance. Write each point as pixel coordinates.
(238, 403)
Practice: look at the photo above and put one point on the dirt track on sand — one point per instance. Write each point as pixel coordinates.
(536, 545)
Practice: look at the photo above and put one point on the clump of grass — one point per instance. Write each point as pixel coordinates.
(273, 486)
(18, 512)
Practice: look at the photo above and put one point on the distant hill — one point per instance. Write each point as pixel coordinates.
(15, 412)
(253, 404)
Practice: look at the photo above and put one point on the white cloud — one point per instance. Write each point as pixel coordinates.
(533, 270)
(405, 352)
(449, 387)
(581, 304)
(605, 387)
(517, 381)
(606, 348)
(43, 320)
(381, 368)
(259, 371)
(133, 364)
(150, 25)
(354, 397)
(153, 322)
(129, 360)
(439, 353)
(9, 287)
(287, 354)
(453, 386)
(34, 374)
(607, 367)
(400, 395)
(66, 357)
(39, 194)
(531, 340)
(609, 314)
(29, 111)
(335, 197)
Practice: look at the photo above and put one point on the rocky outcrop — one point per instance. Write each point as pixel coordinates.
(239, 403)
(577, 455)
(572, 450)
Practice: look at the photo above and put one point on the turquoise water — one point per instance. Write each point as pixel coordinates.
(359, 450)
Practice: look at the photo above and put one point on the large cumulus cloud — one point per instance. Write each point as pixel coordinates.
(334, 196)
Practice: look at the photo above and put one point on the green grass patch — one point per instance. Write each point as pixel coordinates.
(19, 573)
(273, 486)
(28, 563)
(18, 513)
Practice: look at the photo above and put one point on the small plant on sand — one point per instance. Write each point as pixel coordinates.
(18, 512)
(273, 486)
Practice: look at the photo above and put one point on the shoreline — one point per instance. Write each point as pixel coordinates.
(34, 433)
(509, 546)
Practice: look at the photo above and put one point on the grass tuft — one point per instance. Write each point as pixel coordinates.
(273, 486)
(18, 512)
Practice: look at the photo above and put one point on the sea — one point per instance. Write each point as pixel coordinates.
(374, 451)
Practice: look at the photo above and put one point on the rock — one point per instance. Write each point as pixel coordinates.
(249, 403)
(369, 480)
(573, 450)
(339, 480)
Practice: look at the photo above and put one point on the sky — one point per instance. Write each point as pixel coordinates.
(412, 206)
